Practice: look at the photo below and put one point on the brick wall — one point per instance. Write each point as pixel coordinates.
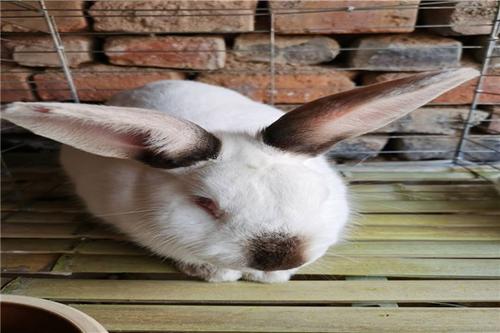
(320, 48)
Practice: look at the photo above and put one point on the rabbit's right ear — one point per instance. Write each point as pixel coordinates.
(314, 127)
(151, 137)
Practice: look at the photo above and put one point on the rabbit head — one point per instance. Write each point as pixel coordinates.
(247, 201)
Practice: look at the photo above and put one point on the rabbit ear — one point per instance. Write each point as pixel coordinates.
(152, 137)
(314, 127)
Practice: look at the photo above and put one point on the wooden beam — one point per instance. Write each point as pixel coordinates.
(330, 264)
(178, 318)
(293, 292)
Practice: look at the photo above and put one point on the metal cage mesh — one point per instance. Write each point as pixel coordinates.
(470, 149)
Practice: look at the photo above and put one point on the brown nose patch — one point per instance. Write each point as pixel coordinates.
(276, 251)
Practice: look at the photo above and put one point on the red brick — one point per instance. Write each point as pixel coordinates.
(412, 52)
(300, 50)
(462, 94)
(435, 120)
(293, 86)
(359, 148)
(98, 83)
(462, 17)
(165, 16)
(169, 52)
(341, 21)
(15, 86)
(377, 77)
(28, 20)
(40, 51)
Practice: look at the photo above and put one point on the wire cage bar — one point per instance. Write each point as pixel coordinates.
(51, 24)
(490, 47)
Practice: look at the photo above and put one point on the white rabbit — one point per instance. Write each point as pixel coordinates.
(244, 193)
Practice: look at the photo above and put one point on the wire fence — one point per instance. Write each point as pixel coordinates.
(463, 141)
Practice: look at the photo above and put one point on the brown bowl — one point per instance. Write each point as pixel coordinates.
(34, 315)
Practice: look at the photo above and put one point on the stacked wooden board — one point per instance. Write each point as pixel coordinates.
(423, 255)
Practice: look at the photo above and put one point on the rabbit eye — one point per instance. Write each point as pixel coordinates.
(208, 205)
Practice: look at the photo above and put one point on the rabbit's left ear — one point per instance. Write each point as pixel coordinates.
(314, 127)
(151, 137)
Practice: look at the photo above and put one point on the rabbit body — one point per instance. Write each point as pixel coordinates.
(151, 206)
(213, 108)
(226, 187)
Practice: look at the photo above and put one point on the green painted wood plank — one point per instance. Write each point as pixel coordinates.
(428, 220)
(293, 292)
(423, 196)
(419, 249)
(69, 206)
(356, 234)
(484, 188)
(30, 245)
(38, 217)
(111, 264)
(412, 166)
(25, 263)
(59, 230)
(400, 176)
(404, 267)
(100, 231)
(423, 233)
(436, 206)
(407, 249)
(182, 318)
(109, 247)
(330, 264)
(38, 230)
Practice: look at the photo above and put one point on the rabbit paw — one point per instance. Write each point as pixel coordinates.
(209, 272)
(269, 277)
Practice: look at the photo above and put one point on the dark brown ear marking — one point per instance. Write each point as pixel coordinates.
(208, 147)
(275, 251)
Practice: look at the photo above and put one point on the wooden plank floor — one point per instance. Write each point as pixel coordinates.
(423, 256)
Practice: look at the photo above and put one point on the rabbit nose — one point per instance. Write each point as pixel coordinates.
(276, 251)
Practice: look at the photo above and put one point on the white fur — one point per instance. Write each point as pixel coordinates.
(259, 187)
(260, 190)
